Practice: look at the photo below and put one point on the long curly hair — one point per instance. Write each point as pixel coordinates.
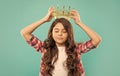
(51, 54)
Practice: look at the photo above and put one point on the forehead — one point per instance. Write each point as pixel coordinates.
(59, 26)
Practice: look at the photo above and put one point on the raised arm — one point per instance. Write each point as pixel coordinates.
(27, 31)
(92, 34)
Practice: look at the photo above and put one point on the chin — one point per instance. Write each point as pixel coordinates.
(60, 43)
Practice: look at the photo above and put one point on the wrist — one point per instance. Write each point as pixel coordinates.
(79, 22)
(44, 20)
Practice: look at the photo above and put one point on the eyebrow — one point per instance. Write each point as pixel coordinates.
(58, 29)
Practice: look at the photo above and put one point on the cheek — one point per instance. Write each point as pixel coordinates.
(65, 36)
(53, 35)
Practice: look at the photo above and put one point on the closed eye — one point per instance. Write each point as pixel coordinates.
(56, 31)
(64, 31)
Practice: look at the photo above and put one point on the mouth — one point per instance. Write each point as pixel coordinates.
(59, 38)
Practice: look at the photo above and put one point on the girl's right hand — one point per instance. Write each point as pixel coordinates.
(49, 16)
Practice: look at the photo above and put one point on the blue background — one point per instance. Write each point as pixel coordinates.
(19, 59)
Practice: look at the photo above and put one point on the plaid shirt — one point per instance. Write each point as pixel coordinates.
(80, 48)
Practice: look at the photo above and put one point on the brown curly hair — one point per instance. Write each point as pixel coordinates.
(52, 51)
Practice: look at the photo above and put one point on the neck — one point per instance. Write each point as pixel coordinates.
(60, 45)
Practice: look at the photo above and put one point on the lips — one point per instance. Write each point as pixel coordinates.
(59, 38)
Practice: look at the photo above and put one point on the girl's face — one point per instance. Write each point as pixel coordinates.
(59, 34)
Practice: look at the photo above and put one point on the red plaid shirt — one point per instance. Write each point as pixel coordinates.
(80, 48)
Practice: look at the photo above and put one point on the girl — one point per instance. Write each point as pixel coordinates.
(60, 54)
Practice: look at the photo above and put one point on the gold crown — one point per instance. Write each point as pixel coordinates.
(62, 13)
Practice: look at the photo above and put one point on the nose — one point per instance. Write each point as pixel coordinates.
(60, 33)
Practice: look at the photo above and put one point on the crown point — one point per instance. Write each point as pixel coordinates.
(62, 13)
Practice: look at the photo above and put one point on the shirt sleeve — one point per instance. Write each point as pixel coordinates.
(85, 47)
(36, 44)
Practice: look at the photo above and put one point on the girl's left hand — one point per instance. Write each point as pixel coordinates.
(49, 16)
(75, 16)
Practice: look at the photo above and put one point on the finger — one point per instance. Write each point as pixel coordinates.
(73, 11)
(51, 8)
(73, 17)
